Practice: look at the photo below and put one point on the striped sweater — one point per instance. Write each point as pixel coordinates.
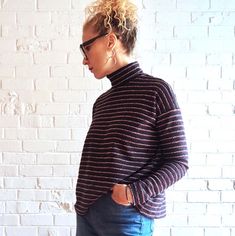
(136, 137)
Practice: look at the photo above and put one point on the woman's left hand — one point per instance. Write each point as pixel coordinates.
(119, 194)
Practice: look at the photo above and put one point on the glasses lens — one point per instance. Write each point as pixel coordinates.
(83, 52)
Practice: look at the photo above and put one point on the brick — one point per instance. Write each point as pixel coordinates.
(15, 59)
(54, 134)
(33, 71)
(204, 72)
(176, 196)
(50, 58)
(53, 109)
(67, 71)
(228, 220)
(19, 158)
(221, 32)
(32, 45)
(204, 147)
(8, 18)
(173, 220)
(151, 4)
(202, 96)
(20, 183)
(6, 71)
(85, 84)
(69, 171)
(53, 158)
(8, 121)
(67, 45)
(13, 31)
(223, 134)
(217, 231)
(190, 32)
(173, 18)
(219, 208)
(36, 220)
(209, 172)
(188, 59)
(163, 231)
(44, 5)
(190, 208)
(65, 231)
(229, 171)
(220, 184)
(8, 195)
(17, 84)
(219, 58)
(221, 109)
(220, 84)
(65, 219)
(212, 46)
(20, 133)
(222, 6)
(70, 121)
(192, 5)
(35, 97)
(206, 17)
(8, 171)
(26, 231)
(10, 146)
(54, 183)
(72, 18)
(35, 171)
(9, 220)
(179, 231)
(51, 84)
(7, 45)
(22, 207)
(39, 146)
(188, 184)
(219, 159)
(198, 159)
(13, 5)
(48, 32)
(75, 57)
(186, 84)
(2, 208)
(204, 196)
(69, 146)
(33, 195)
(33, 18)
(205, 220)
(69, 96)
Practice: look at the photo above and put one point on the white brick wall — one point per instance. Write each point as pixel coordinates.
(46, 97)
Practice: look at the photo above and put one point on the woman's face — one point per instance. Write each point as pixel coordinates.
(97, 52)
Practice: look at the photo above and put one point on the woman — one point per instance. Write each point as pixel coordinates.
(135, 147)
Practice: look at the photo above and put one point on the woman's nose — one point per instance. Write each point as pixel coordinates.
(84, 62)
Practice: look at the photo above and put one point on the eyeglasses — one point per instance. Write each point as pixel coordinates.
(88, 42)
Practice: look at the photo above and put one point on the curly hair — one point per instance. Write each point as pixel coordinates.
(118, 16)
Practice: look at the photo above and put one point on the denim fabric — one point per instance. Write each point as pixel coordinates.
(108, 218)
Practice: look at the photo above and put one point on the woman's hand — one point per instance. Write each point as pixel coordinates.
(121, 194)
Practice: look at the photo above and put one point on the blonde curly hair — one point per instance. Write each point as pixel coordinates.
(118, 16)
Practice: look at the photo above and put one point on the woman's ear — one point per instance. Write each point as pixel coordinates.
(112, 40)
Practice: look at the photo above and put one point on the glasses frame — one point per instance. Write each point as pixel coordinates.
(88, 42)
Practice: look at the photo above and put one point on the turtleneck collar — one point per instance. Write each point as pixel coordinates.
(124, 74)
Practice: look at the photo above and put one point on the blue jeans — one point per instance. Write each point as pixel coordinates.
(108, 218)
